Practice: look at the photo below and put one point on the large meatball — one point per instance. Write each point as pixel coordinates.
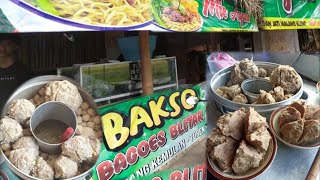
(10, 130)
(65, 167)
(287, 78)
(21, 110)
(24, 159)
(43, 170)
(243, 70)
(77, 148)
(65, 92)
(26, 142)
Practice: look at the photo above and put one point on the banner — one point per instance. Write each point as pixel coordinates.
(291, 14)
(196, 172)
(153, 15)
(143, 134)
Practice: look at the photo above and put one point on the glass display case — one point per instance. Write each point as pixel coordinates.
(111, 81)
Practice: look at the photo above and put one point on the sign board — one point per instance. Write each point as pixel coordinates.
(143, 134)
(291, 14)
(153, 15)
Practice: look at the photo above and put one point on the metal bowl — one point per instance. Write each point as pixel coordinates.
(26, 91)
(222, 77)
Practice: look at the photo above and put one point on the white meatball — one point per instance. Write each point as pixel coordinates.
(21, 110)
(65, 167)
(10, 130)
(77, 148)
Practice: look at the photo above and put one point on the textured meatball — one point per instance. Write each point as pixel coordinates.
(265, 98)
(10, 130)
(77, 148)
(286, 77)
(42, 170)
(24, 159)
(263, 73)
(65, 167)
(240, 98)
(21, 110)
(26, 142)
(65, 92)
(243, 70)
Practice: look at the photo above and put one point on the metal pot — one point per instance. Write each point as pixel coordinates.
(26, 91)
(222, 77)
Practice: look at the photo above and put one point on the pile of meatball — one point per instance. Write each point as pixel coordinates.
(284, 80)
(79, 153)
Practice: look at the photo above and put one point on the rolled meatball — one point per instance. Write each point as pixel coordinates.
(42, 170)
(24, 159)
(65, 92)
(21, 110)
(77, 148)
(26, 142)
(65, 167)
(286, 77)
(10, 130)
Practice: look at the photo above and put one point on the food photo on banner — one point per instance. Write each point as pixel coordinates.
(153, 15)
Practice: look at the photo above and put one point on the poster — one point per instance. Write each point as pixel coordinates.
(291, 14)
(143, 134)
(153, 15)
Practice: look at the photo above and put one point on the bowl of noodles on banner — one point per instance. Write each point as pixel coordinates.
(89, 14)
(178, 16)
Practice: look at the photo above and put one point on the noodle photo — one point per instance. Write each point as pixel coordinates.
(113, 13)
(177, 15)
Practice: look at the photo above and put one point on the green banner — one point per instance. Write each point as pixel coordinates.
(221, 15)
(143, 134)
(195, 172)
(153, 15)
(291, 14)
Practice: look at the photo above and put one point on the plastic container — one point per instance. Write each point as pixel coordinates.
(219, 60)
(129, 47)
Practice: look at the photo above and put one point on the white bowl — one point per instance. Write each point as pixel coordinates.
(215, 170)
(274, 126)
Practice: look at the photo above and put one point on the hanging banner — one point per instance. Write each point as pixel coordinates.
(291, 14)
(153, 15)
(144, 134)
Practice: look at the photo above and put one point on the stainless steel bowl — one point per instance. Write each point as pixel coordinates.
(26, 91)
(222, 77)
